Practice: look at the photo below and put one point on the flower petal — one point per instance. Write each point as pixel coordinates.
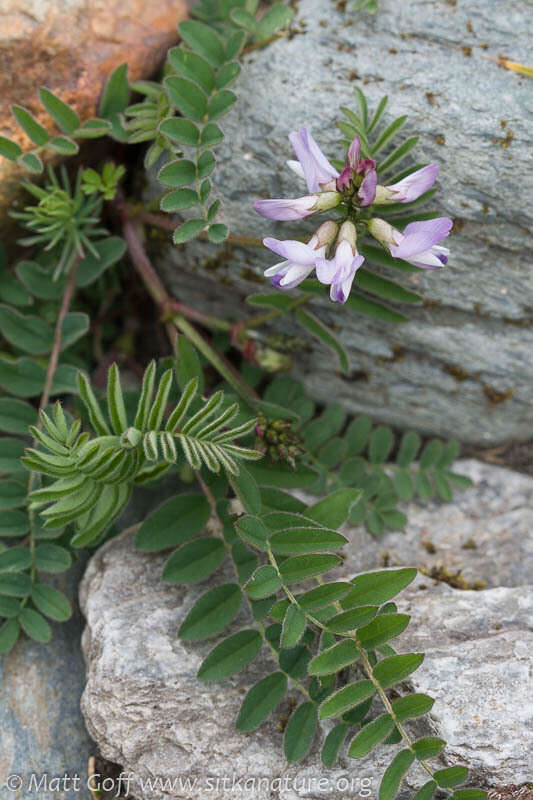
(414, 185)
(298, 252)
(286, 209)
(421, 236)
(326, 269)
(316, 167)
(367, 190)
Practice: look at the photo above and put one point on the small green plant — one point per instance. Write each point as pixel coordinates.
(208, 415)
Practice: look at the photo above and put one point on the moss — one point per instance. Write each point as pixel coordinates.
(469, 545)
(467, 50)
(456, 372)
(249, 275)
(441, 574)
(494, 397)
(398, 354)
(504, 141)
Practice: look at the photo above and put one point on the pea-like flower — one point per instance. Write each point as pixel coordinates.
(312, 164)
(418, 243)
(299, 258)
(286, 210)
(340, 271)
(409, 188)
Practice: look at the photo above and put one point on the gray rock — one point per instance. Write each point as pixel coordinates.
(494, 519)
(147, 711)
(461, 366)
(41, 728)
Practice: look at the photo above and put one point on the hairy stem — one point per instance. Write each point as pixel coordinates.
(262, 630)
(167, 224)
(165, 302)
(45, 397)
(58, 335)
(362, 654)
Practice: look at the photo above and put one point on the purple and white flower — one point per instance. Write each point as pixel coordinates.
(297, 208)
(312, 164)
(409, 188)
(299, 260)
(418, 243)
(340, 270)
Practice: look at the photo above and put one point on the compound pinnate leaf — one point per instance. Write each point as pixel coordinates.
(381, 629)
(300, 731)
(230, 656)
(305, 540)
(204, 41)
(52, 558)
(396, 668)
(346, 698)
(334, 509)
(180, 130)
(51, 602)
(9, 633)
(394, 773)
(187, 97)
(427, 791)
(188, 230)
(335, 658)
(194, 561)
(15, 559)
(428, 747)
(211, 613)
(333, 743)
(177, 521)
(35, 625)
(379, 587)
(371, 735)
(380, 446)
(264, 582)
(62, 114)
(12, 495)
(247, 491)
(411, 706)
(178, 173)
(451, 776)
(299, 568)
(260, 701)
(294, 625)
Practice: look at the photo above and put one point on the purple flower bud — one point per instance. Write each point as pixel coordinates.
(299, 260)
(417, 243)
(316, 168)
(409, 188)
(340, 271)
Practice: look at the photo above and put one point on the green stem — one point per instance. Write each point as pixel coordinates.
(262, 630)
(362, 654)
(268, 316)
(221, 365)
(167, 224)
(48, 382)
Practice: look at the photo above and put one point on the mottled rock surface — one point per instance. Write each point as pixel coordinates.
(71, 47)
(146, 710)
(41, 727)
(462, 365)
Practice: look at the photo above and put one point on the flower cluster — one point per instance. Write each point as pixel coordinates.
(332, 250)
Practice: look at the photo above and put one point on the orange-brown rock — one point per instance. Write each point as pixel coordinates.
(71, 47)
